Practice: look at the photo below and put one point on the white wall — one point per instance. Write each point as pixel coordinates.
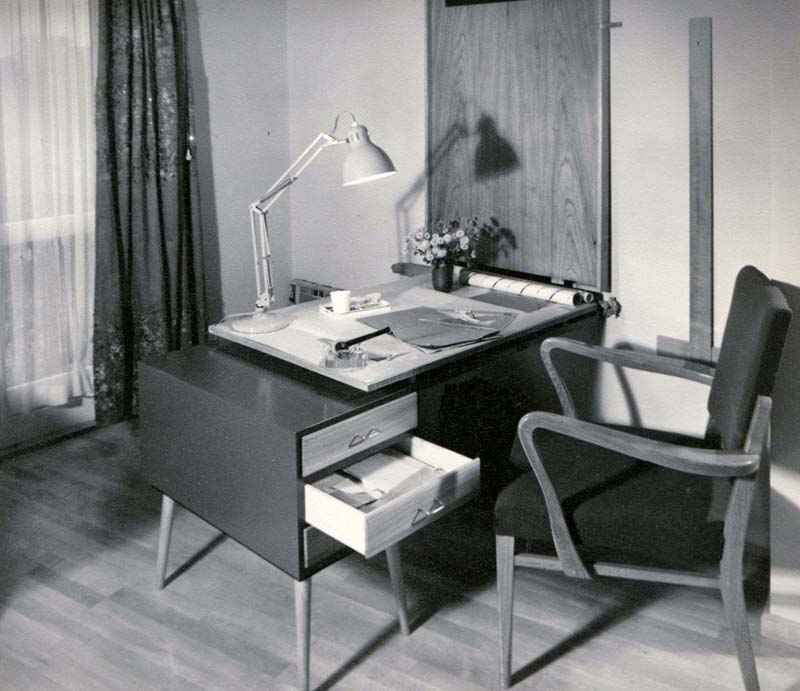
(650, 173)
(756, 59)
(368, 57)
(242, 53)
(785, 252)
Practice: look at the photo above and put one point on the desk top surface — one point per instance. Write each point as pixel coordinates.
(303, 341)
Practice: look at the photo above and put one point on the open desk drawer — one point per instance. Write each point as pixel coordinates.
(447, 480)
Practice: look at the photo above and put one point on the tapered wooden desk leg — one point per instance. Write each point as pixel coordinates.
(164, 536)
(302, 622)
(398, 587)
(504, 546)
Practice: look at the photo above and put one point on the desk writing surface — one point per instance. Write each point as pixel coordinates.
(302, 342)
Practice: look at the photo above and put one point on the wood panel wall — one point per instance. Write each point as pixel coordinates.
(518, 130)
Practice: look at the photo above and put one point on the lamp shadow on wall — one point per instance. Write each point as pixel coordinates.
(494, 157)
(204, 168)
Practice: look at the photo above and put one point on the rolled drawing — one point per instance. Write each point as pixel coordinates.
(543, 291)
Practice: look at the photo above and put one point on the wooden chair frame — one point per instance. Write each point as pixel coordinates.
(740, 465)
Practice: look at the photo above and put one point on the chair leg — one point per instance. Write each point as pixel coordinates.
(396, 574)
(504, 546)
(164, 536)
(730, 577)
(736, 612)
(302, 622)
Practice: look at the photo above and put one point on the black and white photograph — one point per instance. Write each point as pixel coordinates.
(399, 345)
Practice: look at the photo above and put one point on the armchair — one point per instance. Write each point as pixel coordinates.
(602, 501)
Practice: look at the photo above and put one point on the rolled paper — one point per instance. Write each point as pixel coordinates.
(543, 291)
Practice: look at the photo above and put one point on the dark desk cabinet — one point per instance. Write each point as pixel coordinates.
(239, 438)
(233, 434)
(223, 432)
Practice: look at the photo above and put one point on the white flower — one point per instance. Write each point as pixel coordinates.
(424, 245)
(429, 256)
(441, 253)
(447, 237)
(435, 239)
(459, 233)
(464, 242)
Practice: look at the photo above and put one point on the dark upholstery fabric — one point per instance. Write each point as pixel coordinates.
(749, 356)
(620, 509)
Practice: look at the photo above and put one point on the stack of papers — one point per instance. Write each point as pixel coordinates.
(384, 474)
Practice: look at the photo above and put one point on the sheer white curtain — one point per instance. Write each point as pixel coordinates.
(47, 202)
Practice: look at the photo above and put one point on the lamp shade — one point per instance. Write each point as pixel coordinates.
(364, 161)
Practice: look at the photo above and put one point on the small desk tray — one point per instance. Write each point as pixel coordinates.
(372, 308)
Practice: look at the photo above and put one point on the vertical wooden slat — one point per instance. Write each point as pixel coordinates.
(604, 143)
(701, 217)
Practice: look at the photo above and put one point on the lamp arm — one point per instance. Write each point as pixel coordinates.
(286, 179)
(258, 215)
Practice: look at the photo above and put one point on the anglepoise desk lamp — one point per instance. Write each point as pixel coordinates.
(364, 162)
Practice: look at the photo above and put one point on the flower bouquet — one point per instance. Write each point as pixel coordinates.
(442, 245)
(451, 242)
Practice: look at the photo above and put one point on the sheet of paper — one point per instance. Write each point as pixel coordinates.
(349, 491)
(384, 471)
(435, 329)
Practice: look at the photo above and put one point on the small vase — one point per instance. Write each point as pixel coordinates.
(442, 276)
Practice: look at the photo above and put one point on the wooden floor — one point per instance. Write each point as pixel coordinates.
(78, 607)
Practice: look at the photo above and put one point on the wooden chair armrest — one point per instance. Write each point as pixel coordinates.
(688, 459)
(647, 362)
(708, 462)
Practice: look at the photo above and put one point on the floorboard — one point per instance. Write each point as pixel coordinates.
(79, 608)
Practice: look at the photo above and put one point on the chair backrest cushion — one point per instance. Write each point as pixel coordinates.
(749, 355)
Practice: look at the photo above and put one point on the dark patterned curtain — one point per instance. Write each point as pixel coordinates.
(149, 295)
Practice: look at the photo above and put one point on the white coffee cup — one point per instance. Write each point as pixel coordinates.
(340, 301)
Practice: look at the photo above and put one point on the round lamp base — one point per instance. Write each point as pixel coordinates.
(259, 323)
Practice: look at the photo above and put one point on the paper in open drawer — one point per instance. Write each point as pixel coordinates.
(374, 503)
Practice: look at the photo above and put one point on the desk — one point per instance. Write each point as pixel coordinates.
(234, 435)
(301, 342)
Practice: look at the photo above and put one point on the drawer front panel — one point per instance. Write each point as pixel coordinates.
(372, 532)
(336, 442)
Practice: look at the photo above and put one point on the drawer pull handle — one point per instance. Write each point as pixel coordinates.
(358, 439)
(422, 514)
(355, 441)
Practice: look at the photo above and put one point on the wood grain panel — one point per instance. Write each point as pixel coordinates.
(517, 124)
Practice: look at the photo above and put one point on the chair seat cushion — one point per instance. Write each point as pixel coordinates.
(619, 509)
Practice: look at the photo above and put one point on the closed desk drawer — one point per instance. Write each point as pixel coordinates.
(358, 433)
(446, 479)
